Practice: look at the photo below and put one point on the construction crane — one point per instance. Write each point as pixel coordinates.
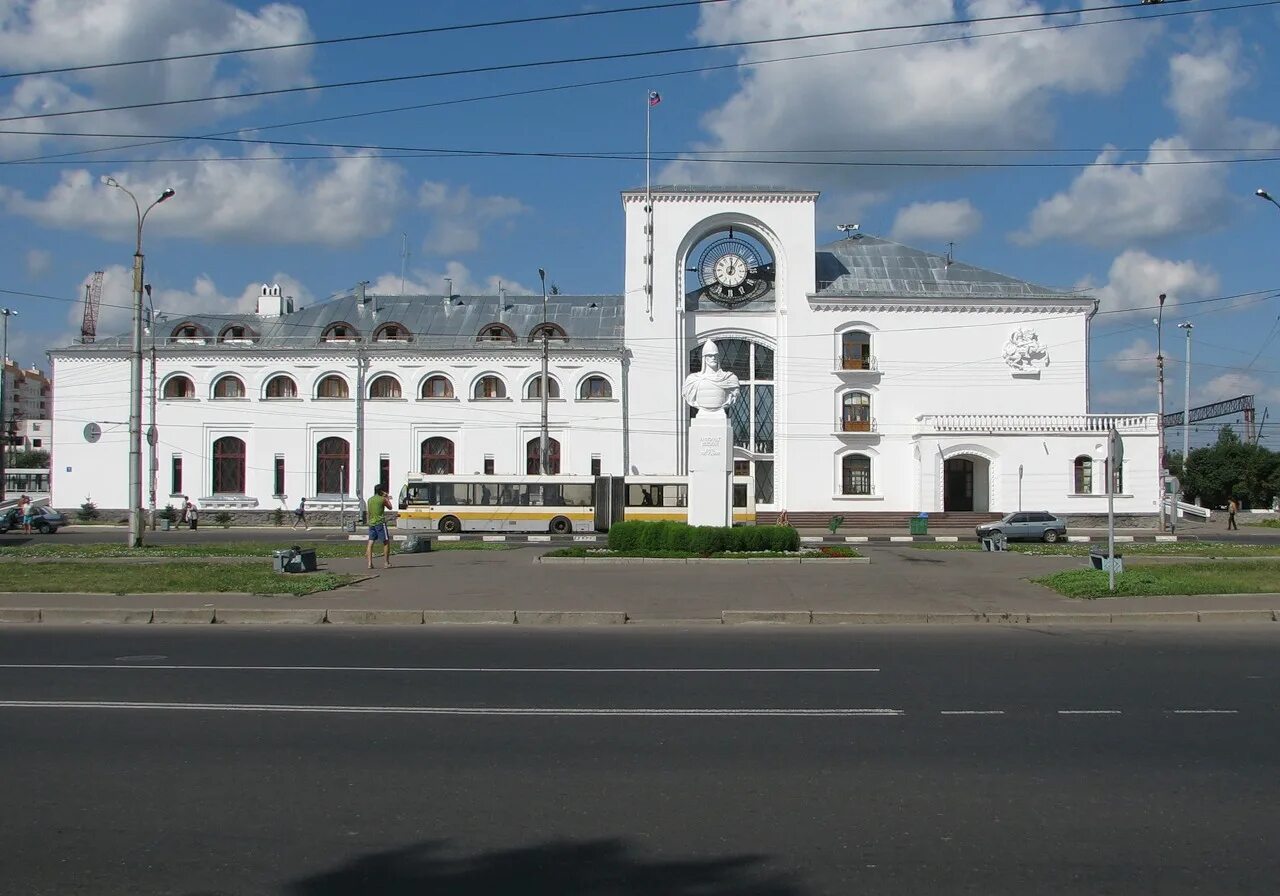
(92, 298)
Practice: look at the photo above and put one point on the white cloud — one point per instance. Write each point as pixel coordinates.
(934, 221)
(1139, 356)
(994, 92)
(430, 281)
(42, 34)
(1110, 204)
(459, 217)
(39, 261)
(266, 201)
(1137, 278)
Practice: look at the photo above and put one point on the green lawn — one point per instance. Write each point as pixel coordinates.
(126, 578)
(1125, 548)
(52, 549)
(1183, 578)
(832, 551)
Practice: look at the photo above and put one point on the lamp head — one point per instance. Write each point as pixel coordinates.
(1261, 193)
(167, 194)
(1186, 325)
(110, 181)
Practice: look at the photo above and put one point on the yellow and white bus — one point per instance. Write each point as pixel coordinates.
(555, 504)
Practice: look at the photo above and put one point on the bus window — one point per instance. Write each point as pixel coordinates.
(578, 495)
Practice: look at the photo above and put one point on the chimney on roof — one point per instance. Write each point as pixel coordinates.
(271, 303)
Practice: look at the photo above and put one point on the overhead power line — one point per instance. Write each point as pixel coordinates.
(609, 57)
(329, 41)
(649, 77)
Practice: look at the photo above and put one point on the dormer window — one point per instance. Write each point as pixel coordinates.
(496, 333)
(236, 333)
(391, 333)
(549, 330)
(189, 332)
(341, 332)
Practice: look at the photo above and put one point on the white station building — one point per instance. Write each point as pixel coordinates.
(877, 379)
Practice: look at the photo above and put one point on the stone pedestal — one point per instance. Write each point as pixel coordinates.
(710, 469)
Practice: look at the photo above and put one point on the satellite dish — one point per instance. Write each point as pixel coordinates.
(92, 432)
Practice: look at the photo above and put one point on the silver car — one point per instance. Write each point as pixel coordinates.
(1026, 525)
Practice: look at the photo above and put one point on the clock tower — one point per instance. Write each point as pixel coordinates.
(727, 263)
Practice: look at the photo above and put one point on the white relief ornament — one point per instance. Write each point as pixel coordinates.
(1024, 352)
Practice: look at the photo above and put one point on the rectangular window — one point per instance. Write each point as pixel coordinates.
(384, 472)
(35, 443)
(279, 476)
(175, 475)
(488, 465)
(595, 465)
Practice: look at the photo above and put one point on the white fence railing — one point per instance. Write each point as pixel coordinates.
(1038, 423)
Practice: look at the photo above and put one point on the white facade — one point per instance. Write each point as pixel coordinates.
(876, 377)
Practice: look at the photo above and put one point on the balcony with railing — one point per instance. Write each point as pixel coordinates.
(864, 366)
(1037, 424)
(855, 428)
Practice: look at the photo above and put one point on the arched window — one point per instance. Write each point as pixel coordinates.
(1084, 475)
(490, 387)
(282, 386)
(855, 350)
(228, 466)
(385, 386)
(179, 387)
(595, 387)
(855, 474)
(391, 332)
(229, 387)
(856, 412)
(437, 456)
(341, 332)
(552, 332)
(437, 386)
(532, 467)
(333, 466)
(187, 331)
(534, 389)
(332, 386)
(236, 333)
(496, 333)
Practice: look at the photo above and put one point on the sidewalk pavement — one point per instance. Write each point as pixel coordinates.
(901, 584)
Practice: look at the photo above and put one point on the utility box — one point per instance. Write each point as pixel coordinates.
(280, 560)
(1101, 561)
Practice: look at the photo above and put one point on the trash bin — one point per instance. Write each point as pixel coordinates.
(280, 560)
(997, 542)
(306, 559)
(920, 525)
(415, 544)
(1099, 560)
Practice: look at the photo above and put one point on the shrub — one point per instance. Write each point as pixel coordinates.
(665, 535)
(223, 519)
(88, 511)
(277, 517)
(168, 513)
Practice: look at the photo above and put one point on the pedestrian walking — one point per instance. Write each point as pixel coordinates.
(300, 515)
(1233, 507)
(24, 513)
(377, 520)
(193, 516)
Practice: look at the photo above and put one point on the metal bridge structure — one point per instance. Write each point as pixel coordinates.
(1232, 406)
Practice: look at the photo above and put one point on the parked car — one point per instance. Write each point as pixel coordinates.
(44, 520)
(1031, 525)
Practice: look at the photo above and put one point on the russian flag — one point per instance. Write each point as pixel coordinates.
(654, 97)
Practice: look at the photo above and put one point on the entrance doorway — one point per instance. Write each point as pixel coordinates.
(966, 484)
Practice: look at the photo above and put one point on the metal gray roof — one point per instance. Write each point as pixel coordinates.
(867, 266)
(434, 322)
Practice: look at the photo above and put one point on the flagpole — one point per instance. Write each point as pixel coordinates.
(648, 208)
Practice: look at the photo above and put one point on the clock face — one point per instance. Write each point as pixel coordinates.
(732, 272)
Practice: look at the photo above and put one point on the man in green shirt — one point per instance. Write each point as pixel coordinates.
(377, 519)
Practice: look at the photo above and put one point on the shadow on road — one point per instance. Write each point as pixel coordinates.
(587, 868)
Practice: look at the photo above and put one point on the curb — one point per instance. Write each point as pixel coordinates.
(632, 561)
(306, 616)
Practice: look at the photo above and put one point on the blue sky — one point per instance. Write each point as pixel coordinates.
(1048, 112)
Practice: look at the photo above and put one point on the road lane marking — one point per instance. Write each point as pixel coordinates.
(971, 712)
(1204, 712)
(447, 710)
(1089, 712)
(487, 669)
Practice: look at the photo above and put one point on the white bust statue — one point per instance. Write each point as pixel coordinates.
(710, 389)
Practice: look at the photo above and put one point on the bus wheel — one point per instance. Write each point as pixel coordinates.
(561, 525)
(450, 524)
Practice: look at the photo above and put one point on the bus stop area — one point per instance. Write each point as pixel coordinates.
(900, 583)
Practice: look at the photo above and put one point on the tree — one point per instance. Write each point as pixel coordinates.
(1230, 468)
(29, 460)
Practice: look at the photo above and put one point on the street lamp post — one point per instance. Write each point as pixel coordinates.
(135, 367)
(1263, 194)
(1160, 408)
(542, 436)
(5, 314)
(1186, 406)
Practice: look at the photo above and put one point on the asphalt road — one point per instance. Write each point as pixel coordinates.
(762, 762)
